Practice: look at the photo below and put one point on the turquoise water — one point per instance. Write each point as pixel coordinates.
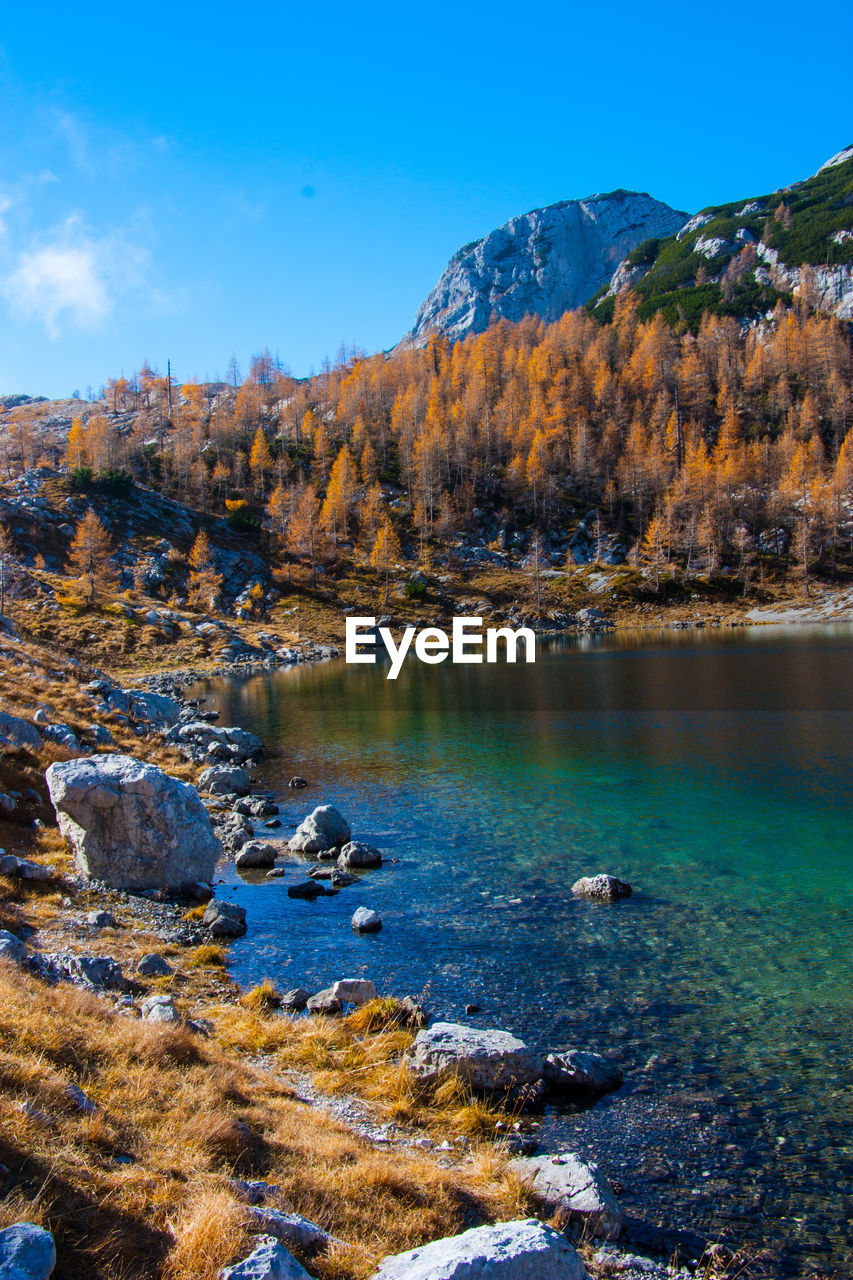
(712, 770)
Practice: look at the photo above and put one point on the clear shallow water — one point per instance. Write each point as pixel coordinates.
(712, 770)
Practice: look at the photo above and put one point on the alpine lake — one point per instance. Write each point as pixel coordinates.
(710, 769)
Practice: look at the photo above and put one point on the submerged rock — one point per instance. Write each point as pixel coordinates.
(566, 1182)
(132, 825)
(525, 1250)
(579, 1069)
(323, 829)
(487, 1059)
(605, 887)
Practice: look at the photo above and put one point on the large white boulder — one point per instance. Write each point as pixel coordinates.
(580, 1190)
(525, 1250)
(486, 1059)
(323, 829)
(132, 825)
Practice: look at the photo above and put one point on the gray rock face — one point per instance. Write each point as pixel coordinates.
(358, 854)
(566, 1182)
(486, 1059)
(12, 948)
(366, 921)
(224, 919)
(543, 263)
(27, 1252)
(224, 780)
(604, 887)
(323, 829)
(509, 1251)
(578, 1069)
(15, 732)
(269, 1260)
(132, 825)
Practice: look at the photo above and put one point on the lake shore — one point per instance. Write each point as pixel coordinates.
(215, 1028)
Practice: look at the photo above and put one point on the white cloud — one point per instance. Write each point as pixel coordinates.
(56, 282)
(71, 278)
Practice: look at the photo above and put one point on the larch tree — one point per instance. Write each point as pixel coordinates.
(386, 553)
(204, 581)
(302, 538)
(91, 555)
(260, 460)
(342, 484)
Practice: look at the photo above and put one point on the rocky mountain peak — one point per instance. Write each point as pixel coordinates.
(542, 263)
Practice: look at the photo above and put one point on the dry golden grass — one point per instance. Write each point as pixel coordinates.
(141, 1188)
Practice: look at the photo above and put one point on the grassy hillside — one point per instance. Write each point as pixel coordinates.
(688, 275)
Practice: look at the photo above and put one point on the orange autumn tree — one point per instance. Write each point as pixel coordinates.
(91, 555)
(204, 581)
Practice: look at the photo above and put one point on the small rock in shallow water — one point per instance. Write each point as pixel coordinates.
(578, 1069)
(354, 990)
(294, 1001)
(224, 919)
(606, 888)
(297, 783)
(323, 829)
(366, 921)
(358, 854)
(579, 1190)
(325, 1002)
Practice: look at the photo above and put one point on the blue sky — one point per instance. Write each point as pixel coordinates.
(194, 181)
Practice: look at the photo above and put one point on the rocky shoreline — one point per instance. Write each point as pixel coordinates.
(177, 908)
(565, 1183)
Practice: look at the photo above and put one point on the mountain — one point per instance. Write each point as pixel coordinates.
(543, 263)
(741, 258)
